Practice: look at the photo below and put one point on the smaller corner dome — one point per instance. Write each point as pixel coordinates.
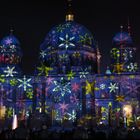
(122, 38)
(10, 40)
(68, 35)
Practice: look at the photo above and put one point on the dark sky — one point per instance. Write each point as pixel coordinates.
(32, 20)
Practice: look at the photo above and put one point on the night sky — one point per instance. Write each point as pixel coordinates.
(32, 21)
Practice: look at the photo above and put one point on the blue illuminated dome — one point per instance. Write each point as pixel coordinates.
(68, 43)
(10, 40)
(10, 55)
(10, 46)
(68, 35)
(122, 38)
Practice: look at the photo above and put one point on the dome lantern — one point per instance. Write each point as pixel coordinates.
(69, 14)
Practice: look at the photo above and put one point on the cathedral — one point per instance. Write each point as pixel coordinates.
(67, 85)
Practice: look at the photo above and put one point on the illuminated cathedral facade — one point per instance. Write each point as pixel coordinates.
(67, 84)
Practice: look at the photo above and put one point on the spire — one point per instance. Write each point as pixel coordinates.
(69, 13)
(128, 26)
(121, 43)
(11, 31)
(121, 27)
(98, 59)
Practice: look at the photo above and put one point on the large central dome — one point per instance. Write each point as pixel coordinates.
(68, 36)
(69, 44)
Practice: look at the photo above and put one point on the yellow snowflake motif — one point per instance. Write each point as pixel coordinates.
(41, 107)
(43, 69)
(89, 87)
(119, 98)
(76, 54)
(70, 75)
(103, 109)
(118, 68)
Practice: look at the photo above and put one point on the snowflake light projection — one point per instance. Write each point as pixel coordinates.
(133, 89)
(118, 68)
(83, 73)
(63, 57)
(89, 87)
(113, 87)
(76, 54)
(9, 112)
(115, 53)
(60, 28)
(25, 83)
(49, 80)
(120, 98)
(75, 29)
(85, 39)
(2, 78)
(43, 54)
(102, 86)
(13, 82)
(2, 49)
(74, 99)
(127, 54)
(10, 71)
(72, 116)
(40, 107)
(70, 75)
(29, 93)
(75, 87)
(66, 42)
(8, 41)
(44, 69)
(63, 107)
(132, 67)
(12, 48)
(62, 87)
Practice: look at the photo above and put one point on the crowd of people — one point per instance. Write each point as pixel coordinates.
(79, 132)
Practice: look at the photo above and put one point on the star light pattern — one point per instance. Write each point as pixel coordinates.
(10, 71)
